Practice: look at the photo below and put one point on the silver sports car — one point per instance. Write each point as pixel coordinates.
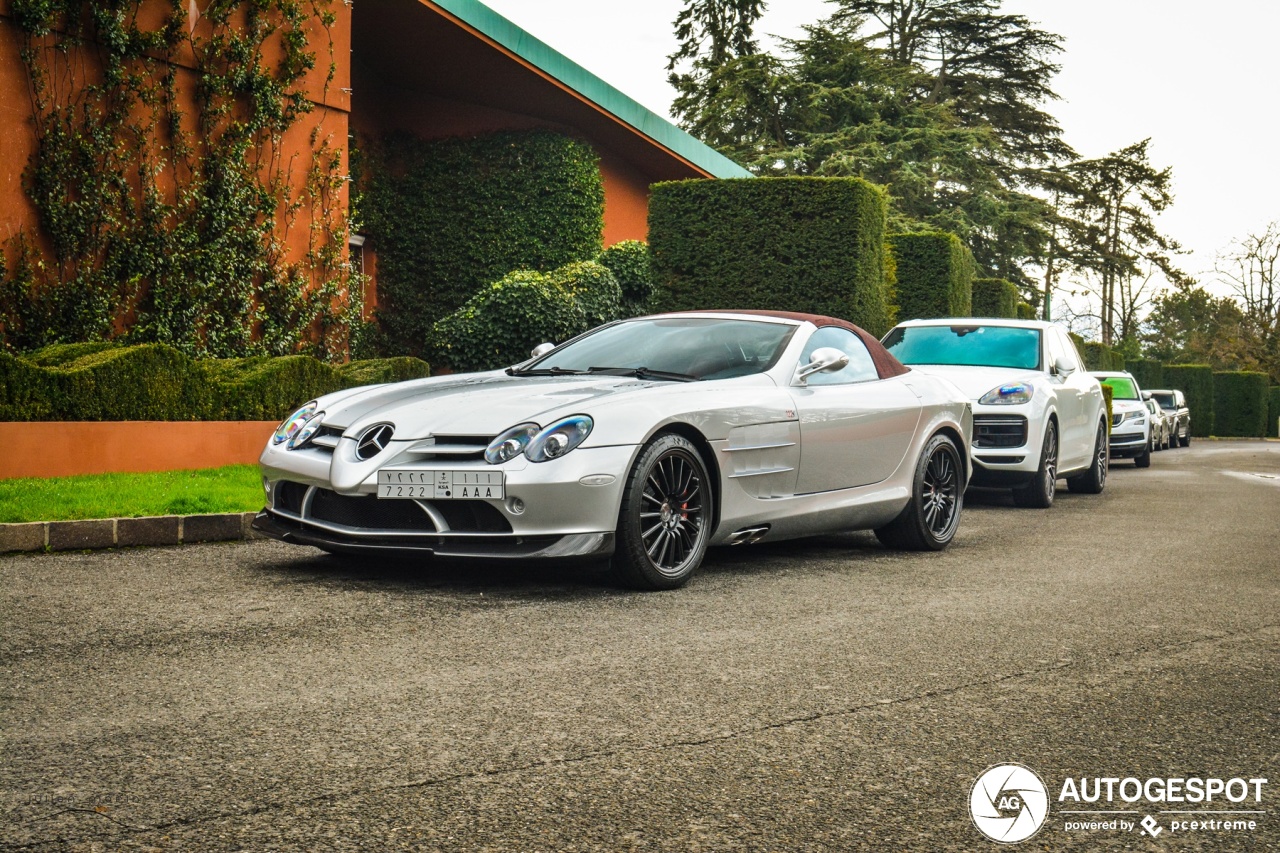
(645, 440)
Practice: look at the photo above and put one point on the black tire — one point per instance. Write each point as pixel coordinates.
(1094, 480)
(929, 520)
(1038, 494)
(665, 518)
(1185, 440)
(1143, 459)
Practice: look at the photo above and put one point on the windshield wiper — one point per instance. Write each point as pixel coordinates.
(644, 373)
(543, 371)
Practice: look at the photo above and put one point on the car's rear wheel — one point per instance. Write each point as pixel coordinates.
(932, 515)
(1143, 459)
(665, 517)
(1185, 440)
(1094, 480)
(1039, 493)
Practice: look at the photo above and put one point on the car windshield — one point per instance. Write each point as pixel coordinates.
(971, 345)
(1122, 387)
(1165, 400)
(672, 348)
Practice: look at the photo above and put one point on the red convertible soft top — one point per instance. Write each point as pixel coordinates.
(886, 364)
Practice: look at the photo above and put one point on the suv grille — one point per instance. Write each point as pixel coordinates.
(999, 431)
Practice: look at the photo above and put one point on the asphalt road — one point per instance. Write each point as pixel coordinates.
(818, 695)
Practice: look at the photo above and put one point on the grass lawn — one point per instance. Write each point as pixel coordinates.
(235, 488)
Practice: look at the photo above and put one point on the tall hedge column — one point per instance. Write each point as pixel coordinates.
(934, 274)
(796, 244)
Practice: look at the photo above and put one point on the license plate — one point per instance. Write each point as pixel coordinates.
(441, 485)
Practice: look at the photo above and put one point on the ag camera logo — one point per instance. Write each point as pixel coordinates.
(1009, 803)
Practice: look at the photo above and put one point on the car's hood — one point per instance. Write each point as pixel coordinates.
(477, 403)
(973, 382)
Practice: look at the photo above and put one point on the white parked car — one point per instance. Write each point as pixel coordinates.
(1132, 436)
(1037, 413)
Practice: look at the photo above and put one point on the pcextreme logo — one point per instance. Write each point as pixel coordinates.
(1009, 803)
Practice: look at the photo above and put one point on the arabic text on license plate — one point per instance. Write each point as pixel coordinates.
(441, 485)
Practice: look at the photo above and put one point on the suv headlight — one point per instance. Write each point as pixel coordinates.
(1008, 395)
(1137, 417)
(559, 438)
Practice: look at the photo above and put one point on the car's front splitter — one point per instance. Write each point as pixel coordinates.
(487, 546)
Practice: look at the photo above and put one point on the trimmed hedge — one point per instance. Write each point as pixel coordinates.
(155, 382)
(448, 217)
(1240, 403)
(995, 297)
(1196, 382)
(1108, 394)
(629, 262)
(501, 324)
(1148, 372)
(593, 287)
(1026, 311)
(795, 244)
(1273, 411)
(934, 275)
(1102, 357)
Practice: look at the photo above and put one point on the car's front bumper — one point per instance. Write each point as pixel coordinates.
(1127, 444)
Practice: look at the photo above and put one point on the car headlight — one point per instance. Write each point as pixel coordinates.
(293, 424)
(510, 444)
(1008, 395)
(559, 438)
(1138, 417)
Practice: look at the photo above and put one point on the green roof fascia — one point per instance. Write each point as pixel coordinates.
(571, 74)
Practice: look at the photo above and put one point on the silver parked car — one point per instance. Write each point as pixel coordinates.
(1037, 414)
(1174, 404)
(646, 440)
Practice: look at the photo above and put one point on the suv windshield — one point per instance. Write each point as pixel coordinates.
(671, 347)
(970, 345)
(1122, 387)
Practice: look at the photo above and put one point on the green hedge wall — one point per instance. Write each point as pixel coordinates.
(934, 275)
(1148, 372)
(794, 244)
(1240, 403)
(448, 217)
(995, 297)
(155, 382)
(1196, 382)
(1273, 411)
(1102, 357)
(1026, 311)
(630, 265)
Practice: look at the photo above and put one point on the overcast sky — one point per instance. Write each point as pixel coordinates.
(1200, 80)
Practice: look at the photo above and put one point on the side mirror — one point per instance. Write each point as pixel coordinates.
(542, 349)
(1146, 395)
(823, 360)
(1063, 367)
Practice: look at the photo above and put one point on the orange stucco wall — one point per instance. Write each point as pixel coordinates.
(328, 122)
(67, 449)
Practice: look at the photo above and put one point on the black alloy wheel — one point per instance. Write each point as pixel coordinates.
(932, 515)
(1039, 493)
(1094, 480)
(664, 520)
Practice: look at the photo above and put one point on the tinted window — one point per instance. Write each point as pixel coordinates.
(860, 367)
(1165, 399)
(975, 345)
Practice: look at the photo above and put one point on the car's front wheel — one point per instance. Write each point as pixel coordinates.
(1094, 480)
(665, 517)
(932, 515)
(1039, 493)
(1143, 459)
(1185, 440)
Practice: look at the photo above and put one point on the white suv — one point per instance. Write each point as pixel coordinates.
(1130, 421)
(1037, 414)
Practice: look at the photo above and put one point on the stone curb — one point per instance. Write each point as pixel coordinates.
(126, 532)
